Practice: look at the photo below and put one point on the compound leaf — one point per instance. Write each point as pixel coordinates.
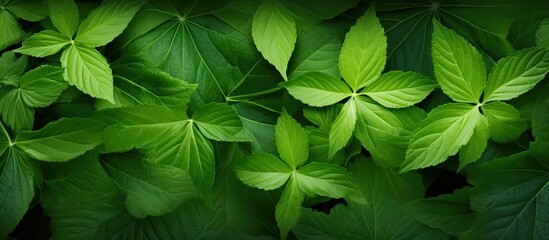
(263, 171)
(317, 89)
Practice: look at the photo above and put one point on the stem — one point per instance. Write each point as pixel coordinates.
(6, 134)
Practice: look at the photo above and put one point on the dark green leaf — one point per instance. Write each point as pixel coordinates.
(288, 209)
(14, 112)
(540, 130)
(219, 122)
(41, 86)
(28, 9)
(10, 30)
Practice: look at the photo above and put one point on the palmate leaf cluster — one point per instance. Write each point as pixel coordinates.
(274, 119)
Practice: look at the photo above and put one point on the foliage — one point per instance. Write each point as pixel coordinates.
(274, 119)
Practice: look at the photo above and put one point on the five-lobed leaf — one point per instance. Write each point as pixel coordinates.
(318, 89)
(263, 171)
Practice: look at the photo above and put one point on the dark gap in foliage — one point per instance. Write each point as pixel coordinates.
(445, 182)
(325, 207)
(35, 225)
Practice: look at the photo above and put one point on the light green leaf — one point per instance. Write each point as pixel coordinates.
(16, 189)
(219, 122)
(473, 150)
(106, 22)
(41, 86)
(89, 71)
(65, 16)
(517, 74)
(317, 89)
(61, 140)
(343, 127)
(29, 10)
(198, 153)
(10, 30)
(274, 34)
(363, 52)
(288, 208)
(540, 130)
(542, 34)
(324, 179)
(504, 120)
(43, 44)
(398, 89)
(459, 68)
(263, 171)
(14, 112)
(446, 129)
(151, 189)
(291, 141)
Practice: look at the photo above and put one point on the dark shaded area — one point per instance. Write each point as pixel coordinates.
(34, 225)
(445, 182)
(325, 207)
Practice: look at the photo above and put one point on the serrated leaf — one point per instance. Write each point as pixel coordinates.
(274, 34)
(363, 52)
(324, 179)
(151, 189)
(446, 129)
(61, 140)
(65, 16)
(288, 208)
(219, 122)
(10, 30)
(198, 154)
(322, 117)
(540, 130)
(398, 89)
(89, 71)
(317, 89)
(41, 86)
(28, 9)
(542, 34)
(14, 112)
(11, 68)
(517, 74)
(459, 68)
(106, 22)
(43, 44)
(16, 188)
(343, 126)
(291, 141)
(263, 171)
(504, 120)
(473, 150)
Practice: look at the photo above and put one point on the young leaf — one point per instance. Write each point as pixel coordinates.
(517, 74)
(14, 112)
(324, 179)
(151, 189)
(61, 140)
(473, 150)
(459, 68)
(41, 86)
(219, 122)
(504, 120)
(291, 141)
(106, 22)
(263, 171)
(343, 127)
(398, 89)
(274, 34)
(317, 89)
(65, 16)
(10, 30)
(363, 52)
(288, 208)
(43, 44)
(441, 135)
(29, 10)
(16, 188)
(89, 71)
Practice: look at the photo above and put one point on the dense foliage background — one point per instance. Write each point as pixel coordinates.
(271, 119)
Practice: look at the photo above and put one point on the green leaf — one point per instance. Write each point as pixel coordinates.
(219, 122)
(10, 30)
(317, 89)
(446, 129)
(517, 74)
(364, 51)
(14, 112)
(324, 179)
(28, 9)
(106, 22)
(473, 150)
(274, 34)
(291, 141)
(43, 44)
(322, 117)
(542, 34)
(459, 68)
(65, 16)
(343, 126)
(151, 189)
(398, 89)
(288, 208)
(61, 140)
(16, 189)
(41, 86)
(510, 195)
(263, 171)
(198, 153)
(11, 68)
(540, 130)
(89, 71)
(450, 212)
(504, 120)
(313, 12)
